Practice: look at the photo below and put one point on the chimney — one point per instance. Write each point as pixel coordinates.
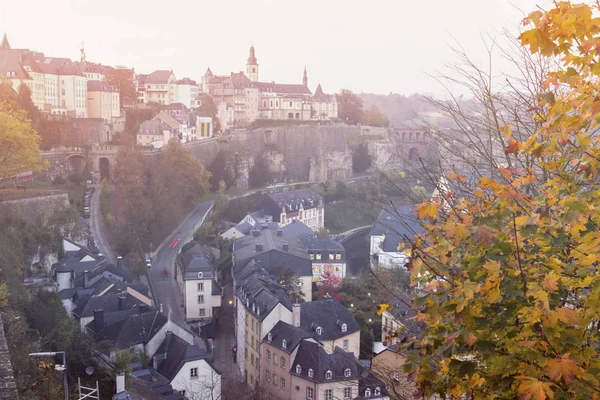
(86, 279)
(168, 338)
(121, 298)
(258, 247)
(120, 383)
(286, 247)
(98, 319)
(279, 232)
(296, 315)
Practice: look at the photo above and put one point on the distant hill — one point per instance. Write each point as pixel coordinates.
(399, 109)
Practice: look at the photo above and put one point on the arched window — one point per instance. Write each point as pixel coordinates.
(319, 330)
(290, 115)
(328, 375)
(298, 369)
(368, 393)
(311, 373)
(253, 69)
(377, 391)
(410, 136)
(344, 327)
(290, 103)
(297, 115)
(347, 372)
(13, 74)
(269, 337)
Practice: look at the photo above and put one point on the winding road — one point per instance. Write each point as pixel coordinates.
(97, 228)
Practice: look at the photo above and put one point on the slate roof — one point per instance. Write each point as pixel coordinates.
(99, 86)
(291, 200)
(406, 315)
(159, 76)
(167, 119)
(321, 96)
(284, 88)
(292, 335)
(153, 127)
(368, 380)
(312, 355)
(137, 328)
(178, 352)
(198, 258)
(272, 252)
(108, 303)
(263, 292)
(216, 288)
(329, 315)
(396, 224)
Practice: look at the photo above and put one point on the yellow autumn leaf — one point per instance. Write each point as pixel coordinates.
(550, 282)
(382, 308)
(427, 210)
(469, 338)
(567, 315)
(531, 388)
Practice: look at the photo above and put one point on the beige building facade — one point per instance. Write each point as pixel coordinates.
(103, 101)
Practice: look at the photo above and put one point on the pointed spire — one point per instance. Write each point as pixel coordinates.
(305, 78)
(5, 45)
(319, 91)
(252, 58)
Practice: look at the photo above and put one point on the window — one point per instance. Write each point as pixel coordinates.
(252, 324)
(347, 372)
(318, 256)
(396, 375)
(328, 375)
(268, 376)
(202, 312)
(200, 299)
(282, 383)
(338, 256)
(368, 393)
(275, 380)
(347, 393)
(345, 344)
(193, 372)
(319, 330)
(268, 355)
(331, 256)
(282, 362)
(246, 353)
(377, 391)
(182, 392)
(275, 359)
(290, 103)
(311, 373)
(298, 369)
(309, 393)
(312, 256)
(329, 394)
(344, 327)
(252, 359)
(283, 343)
(201, 287)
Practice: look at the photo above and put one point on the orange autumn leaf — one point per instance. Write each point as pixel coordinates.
(567, 315)
(564, 368)
(513, 147)
(427, 210)
(550, 282)
(531, 388)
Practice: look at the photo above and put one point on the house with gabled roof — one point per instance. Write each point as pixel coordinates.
(197, 279)
(302, 205)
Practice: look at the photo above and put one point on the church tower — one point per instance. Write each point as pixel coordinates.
(4, 45)
(305, 79)
(252, 66)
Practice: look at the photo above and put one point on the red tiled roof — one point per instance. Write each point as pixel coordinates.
(284, 88)
(99, 86)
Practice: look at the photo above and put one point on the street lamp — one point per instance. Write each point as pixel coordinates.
(62, 368)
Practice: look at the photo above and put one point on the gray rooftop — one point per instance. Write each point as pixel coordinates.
(330, 315)
(399, 225)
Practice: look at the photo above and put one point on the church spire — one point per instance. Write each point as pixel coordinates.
(5, 45)
(305, 78)
(252, 58)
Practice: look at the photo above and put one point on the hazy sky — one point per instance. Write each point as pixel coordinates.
(377, 46)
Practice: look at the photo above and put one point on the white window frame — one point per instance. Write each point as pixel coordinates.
(200, 287)
(329, 394)
(328, 374)
(346, 344)
(202, 312)
(347, 393)
(347, 372)
(310, 393)
(298, 369)
(200, 296)
(311, 373)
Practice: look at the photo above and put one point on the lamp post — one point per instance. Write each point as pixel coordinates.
(62, 368)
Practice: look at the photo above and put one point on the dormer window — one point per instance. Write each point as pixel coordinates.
(368, 393)
(284, 343)
(311, 373)
(347, 372)
(377, 391)
(328, 375)
(344, 327)
(319, 330)
(269, 337)
(298, 369)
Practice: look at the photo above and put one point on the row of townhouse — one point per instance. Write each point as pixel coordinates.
(60, 86)
(162, 87)
(119, 315)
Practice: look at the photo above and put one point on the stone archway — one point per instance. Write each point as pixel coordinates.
(104, 168)
(77, 163)
(413, 154)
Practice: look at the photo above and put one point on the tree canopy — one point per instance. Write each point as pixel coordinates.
(121, 79)
(509, 266)
(349, 107)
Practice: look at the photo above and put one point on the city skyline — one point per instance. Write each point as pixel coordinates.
(375, 52)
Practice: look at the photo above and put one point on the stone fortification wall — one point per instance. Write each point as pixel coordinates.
(30, 209)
